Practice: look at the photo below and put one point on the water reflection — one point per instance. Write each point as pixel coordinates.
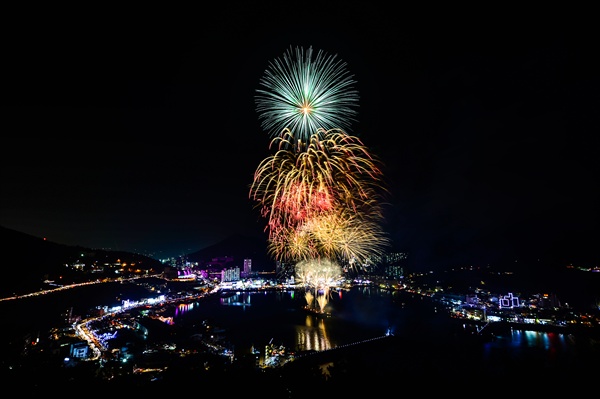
(531, 346)
(183, 308)
(312, 336)
(253, 319)
(549, 341)
(309, 332)
(236, 299)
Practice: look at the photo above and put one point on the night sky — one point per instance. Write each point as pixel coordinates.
(140, 133)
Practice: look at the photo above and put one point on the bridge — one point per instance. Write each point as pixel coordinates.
(331, 355)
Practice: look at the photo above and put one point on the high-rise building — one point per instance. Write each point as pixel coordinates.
(393, 264)
(247, 267)
(231, 274)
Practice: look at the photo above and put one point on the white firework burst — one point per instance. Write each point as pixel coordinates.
(303, 93)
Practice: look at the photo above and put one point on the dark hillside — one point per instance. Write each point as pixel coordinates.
(28, 261)
(237, 247)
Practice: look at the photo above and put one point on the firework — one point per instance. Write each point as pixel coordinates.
(318, 275)
(351, 239)
(332, 170)
(321, 200)
(318, 272)
(304, 94)
(321, 191)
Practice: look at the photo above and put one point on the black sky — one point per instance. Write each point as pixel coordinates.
(139, 132)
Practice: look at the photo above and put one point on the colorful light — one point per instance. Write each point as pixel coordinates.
(303, 94)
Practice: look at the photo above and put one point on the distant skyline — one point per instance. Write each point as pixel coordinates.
(145, 137)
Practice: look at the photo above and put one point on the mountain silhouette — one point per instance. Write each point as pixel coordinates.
(237, 247)
(30, 260)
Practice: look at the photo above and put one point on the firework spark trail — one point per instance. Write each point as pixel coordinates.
(336, 171)
(346, 238)
(318, 275)
(323, 300)
(304, 93)
(338, 235)
(321, 199)
(309, 296)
